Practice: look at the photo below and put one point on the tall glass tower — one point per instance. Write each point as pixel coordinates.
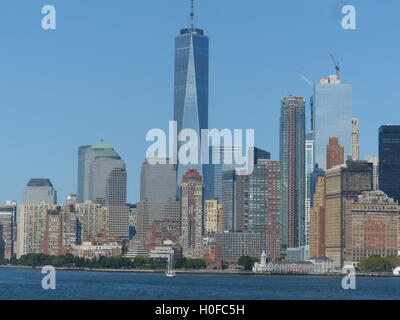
(389, 160)
(331, 117)
(292, 172)
(191, 87)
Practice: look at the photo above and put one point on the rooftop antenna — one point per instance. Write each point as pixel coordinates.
(337, 66)
(192, 14)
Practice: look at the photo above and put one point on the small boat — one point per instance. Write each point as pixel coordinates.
(170, 270)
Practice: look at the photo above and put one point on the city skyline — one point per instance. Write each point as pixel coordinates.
(90, 126)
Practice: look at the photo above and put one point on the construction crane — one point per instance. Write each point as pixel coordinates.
(304, 78)
(337, 66)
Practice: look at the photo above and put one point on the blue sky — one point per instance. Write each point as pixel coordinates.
(107, 73)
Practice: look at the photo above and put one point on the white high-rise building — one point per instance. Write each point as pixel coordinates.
(309, 170)
(355, 139)
(31, 227)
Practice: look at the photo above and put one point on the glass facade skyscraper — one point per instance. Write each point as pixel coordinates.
(389, 160)
(83, 173)
(331, 117)
(229, 201)
(191, 88)
(222, 158)
(292, 172)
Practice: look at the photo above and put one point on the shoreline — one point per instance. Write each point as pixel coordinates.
(205, 272)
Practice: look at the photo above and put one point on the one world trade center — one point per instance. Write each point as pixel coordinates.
(191, 88)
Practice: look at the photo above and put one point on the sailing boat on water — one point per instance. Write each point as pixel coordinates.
(170, 269)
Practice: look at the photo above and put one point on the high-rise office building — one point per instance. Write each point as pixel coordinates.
(375, 162)
(371, 227)
(331, 116)
(157, 195)
(342, 183)
(157, 180)
(217, 165)
(309, 170)
(292, 162)
(192, 220)
(258, 204)
(84, 159)
(258, 155)
(104, 164)
(334, 153)
(224, 158)
(355, 139)
(317, 220)
(38, 191)
(191, 87)
(107, 185)
(86, 156)
(389, 160)
(230, 222)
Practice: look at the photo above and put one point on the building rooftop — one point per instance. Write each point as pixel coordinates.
(39, 182)
(104, 150)
(101, 145)
(199, 32)
(332, 79)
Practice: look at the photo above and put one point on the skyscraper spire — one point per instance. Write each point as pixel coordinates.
(192, 14)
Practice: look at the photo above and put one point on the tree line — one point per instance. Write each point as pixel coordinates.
(115, 262)
(378, 264)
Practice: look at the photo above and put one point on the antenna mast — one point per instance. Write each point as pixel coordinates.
(192, 14)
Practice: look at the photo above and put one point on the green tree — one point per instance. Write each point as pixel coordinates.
(378, 264)
(180, 263)
(195, 264)
(247, 262)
